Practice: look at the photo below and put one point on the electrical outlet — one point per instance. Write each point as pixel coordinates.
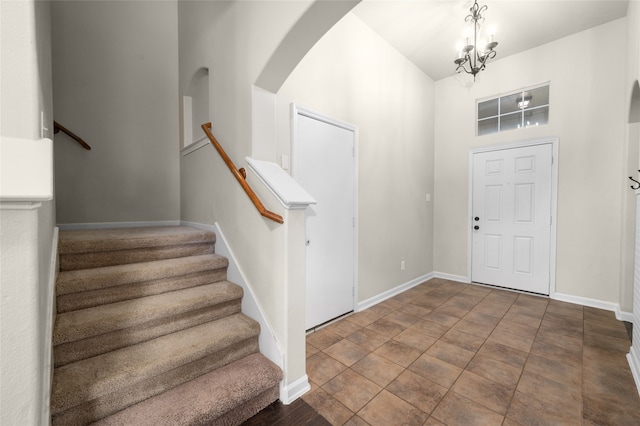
(402, 265)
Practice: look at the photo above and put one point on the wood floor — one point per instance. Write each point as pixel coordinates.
(278, 414)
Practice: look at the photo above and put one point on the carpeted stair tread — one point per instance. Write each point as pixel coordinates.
(97, 259)
(111, 276)
(94, 248)
(86, 348)
(107, 405)
(97, 240)
(207, 399)
(95, 377)
(81, 324)
(102, 296)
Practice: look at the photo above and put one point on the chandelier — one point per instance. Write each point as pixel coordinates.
(471, 59)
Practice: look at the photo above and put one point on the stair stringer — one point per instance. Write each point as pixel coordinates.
(269, 344)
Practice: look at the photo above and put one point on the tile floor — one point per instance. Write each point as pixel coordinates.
(460, 354)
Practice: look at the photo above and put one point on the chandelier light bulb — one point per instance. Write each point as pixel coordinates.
(492, 32)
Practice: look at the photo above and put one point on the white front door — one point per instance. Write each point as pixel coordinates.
(324, 164)
(511, 218)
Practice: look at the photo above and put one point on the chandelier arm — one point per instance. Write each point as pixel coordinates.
(463, 69)
(462, 64)
(482, 59)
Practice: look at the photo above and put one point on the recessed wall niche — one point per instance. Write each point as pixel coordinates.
(195, 108)
(634, 107)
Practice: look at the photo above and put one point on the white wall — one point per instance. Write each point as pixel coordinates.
(234, 41)
(586, 72)
(353, 75)
(115, 78)
(27, 233)
(631, 157)
(27, 265)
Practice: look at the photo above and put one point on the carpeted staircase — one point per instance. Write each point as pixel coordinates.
(149, 332)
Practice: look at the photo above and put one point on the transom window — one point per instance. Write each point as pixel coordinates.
(525, 108)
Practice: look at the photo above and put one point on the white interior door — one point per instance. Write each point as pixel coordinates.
(324, 164)
(511, 217)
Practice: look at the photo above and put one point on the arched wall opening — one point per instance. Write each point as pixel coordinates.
(318, 19)
(195, 108)
(314, 24)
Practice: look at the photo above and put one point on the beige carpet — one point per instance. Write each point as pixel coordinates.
(146, 319)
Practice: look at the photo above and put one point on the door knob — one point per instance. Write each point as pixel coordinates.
(476, 218)
(476, 227)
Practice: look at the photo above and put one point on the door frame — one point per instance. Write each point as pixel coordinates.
(554, 141)
(298, 110)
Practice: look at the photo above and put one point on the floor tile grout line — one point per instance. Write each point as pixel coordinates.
(399, 308)
(429, 415)
(404, 368)
(524, 365)
(450, 389)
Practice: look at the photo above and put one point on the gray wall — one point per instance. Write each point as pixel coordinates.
(115, 81)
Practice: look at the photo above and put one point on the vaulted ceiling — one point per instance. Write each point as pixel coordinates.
(427, 31)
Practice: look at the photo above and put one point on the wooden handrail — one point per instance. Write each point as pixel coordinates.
(241, 177)
(57, 127)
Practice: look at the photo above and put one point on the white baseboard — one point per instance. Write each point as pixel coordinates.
(607, 306)
(633, 358)
(203, 226)
(294, 390)
(269, 344)
(451, 277)
(392, 292)
(623, 315)
(593, 303)
(106, 225)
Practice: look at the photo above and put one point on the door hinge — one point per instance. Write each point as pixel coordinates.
(354, 222)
